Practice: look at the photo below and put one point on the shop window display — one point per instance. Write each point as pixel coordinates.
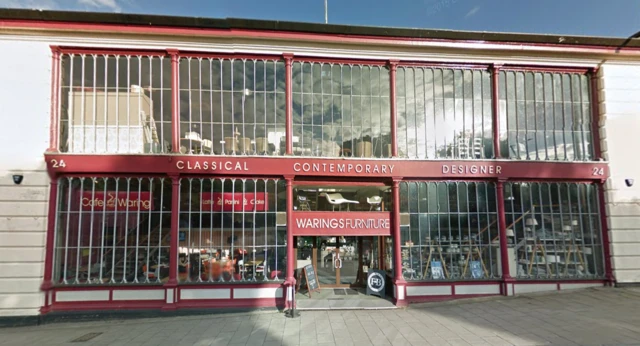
(341, 110)
(229, 230)
(115, 104)
(232, 106)
(451, 232)
(554, 230)
(112, 230)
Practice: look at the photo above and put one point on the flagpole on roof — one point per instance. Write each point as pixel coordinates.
(326, 13)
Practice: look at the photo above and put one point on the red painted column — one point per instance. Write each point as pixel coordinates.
(47, 283)
(290, 281)
(288, 60)
(175, 226)
(400, 283)
(504, 249)
(175, 101)
(608, 269)
(495, 107)
(171, 285)
(393, 66)
(53, 113)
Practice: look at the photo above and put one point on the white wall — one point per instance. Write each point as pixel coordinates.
(25, 74)
(619, 91)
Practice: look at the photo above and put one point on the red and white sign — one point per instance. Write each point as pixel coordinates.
(121, 201)
(341, 223)
(234, 201)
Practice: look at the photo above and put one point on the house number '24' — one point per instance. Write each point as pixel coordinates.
(598, 171)
(58, 164)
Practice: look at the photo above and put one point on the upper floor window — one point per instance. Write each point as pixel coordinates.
(341, 110)
(444, 113)
(545, 116)
(115, 103)
(232, 106)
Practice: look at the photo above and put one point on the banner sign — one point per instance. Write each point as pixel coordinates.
(234, 201)
(341, 223)
(374, 168)
(121, 201)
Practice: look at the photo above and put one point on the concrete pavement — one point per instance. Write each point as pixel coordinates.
(602, 316)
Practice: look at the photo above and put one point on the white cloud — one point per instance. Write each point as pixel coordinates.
(31, 4)
(472, 12)
(110, 5)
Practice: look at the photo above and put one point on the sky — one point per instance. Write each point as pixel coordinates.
(617, 18)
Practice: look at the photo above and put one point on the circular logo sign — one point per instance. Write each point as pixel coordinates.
(376, 282)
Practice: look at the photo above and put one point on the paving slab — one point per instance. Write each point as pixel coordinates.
(599, 316)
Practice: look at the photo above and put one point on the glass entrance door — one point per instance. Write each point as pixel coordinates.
(350, 268)
(338, 261)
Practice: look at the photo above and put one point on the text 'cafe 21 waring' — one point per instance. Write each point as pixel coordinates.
(185, 174)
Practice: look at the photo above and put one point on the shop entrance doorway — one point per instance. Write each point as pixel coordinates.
(341, 265)
(342, 261)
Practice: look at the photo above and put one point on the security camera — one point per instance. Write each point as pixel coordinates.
(629, 182)
(17, 179)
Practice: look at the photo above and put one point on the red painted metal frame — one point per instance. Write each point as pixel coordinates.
(290, 281)
(282, 35)
(114, 175)
(302, 182)
(160, 304)
(175, 101)
(216, 176)
(495, 105)
(175, 228)
(454, 295)
(291, 166)
(229, 56)
(443, 65)
(399, 281)
(345, 61)
(288, 60)
(110, 51)
(551, 69)
(231, 303)
(125, 165)
(54, 112)
(393, 65)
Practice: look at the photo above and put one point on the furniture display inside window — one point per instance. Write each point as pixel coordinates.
(343, 198)
(557, 249)
(337, 199)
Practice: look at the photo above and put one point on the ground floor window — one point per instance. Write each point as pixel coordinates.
(450, 230)
(229, 230)
(554, 230)
(117, 230)
(112, 230)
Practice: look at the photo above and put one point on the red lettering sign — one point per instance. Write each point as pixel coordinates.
(234, 201)
(121, 201)
(341, 223)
